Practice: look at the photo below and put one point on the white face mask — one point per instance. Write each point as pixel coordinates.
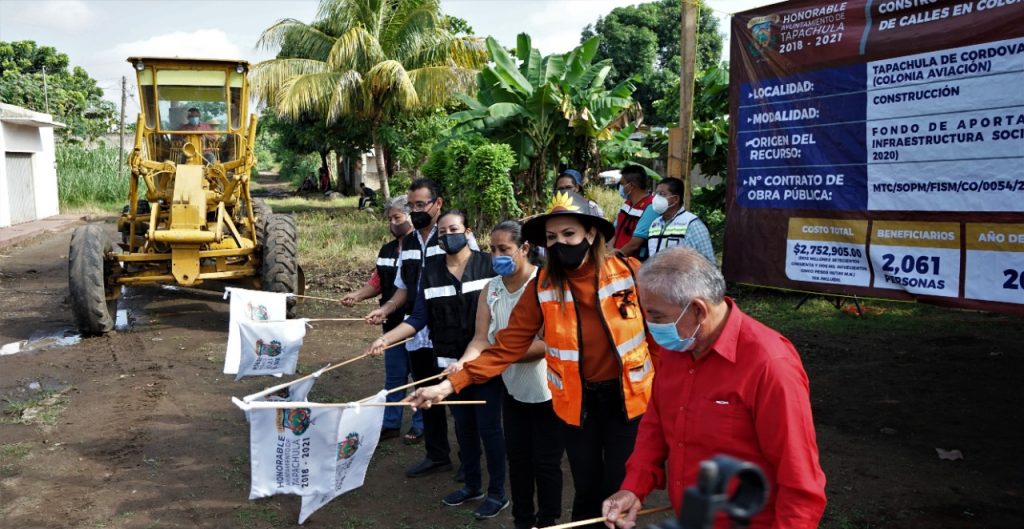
(660, 204)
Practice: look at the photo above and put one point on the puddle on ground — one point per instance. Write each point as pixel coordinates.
(60, 336)
(43, 339)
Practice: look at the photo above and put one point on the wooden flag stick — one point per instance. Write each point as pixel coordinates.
(324, 299)
(310, 319)
(407, 386)
(261, 404)
(314, 297)
(364, 355)
(323, 370)
(600, 519)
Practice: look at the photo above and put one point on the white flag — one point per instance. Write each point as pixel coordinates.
(270, 348)
(294, 391)
(292, 450)
(358, 434)
(249, 305)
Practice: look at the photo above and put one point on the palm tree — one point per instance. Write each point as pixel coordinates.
(372, 59)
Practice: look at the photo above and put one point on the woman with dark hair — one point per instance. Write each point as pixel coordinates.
(599, 368)
(447, 301)
(532, 430)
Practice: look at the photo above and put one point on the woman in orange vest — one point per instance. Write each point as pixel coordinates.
(599, 367)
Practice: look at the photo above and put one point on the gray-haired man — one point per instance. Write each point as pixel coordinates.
(726, 384)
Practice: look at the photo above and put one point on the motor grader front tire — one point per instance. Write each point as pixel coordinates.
(91, 283)
(280, 272)
(262, 212)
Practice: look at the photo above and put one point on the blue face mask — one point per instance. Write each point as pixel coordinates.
(504, 265)
(622, 191)
(667, 336)
(194, 120)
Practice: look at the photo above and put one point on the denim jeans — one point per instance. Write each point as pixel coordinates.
(396, 373)
(435, 420)
(482, 422)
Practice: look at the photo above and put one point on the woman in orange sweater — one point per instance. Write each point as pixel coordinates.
(599, 367)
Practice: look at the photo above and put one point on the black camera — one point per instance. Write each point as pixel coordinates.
(724, 484)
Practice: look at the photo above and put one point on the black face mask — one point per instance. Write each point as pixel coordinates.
(569, 256)
(399, 230)
(421, 219)
(452, 243)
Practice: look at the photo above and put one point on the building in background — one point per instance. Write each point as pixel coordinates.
(28, 167)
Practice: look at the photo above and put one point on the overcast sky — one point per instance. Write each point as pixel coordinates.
(100, 34)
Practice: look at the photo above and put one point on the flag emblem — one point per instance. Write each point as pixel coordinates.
(295, 419)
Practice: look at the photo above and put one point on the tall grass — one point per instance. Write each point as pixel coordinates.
(88, 177)
(333, 235)
(606, 197)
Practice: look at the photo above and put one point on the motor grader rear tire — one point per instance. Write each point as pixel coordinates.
(90, 280)
(280, 271)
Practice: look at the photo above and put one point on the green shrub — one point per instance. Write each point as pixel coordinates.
(399, 182)
(296, 167)
(474, 177)
(88, 177)
(708, 203)
(491, 195)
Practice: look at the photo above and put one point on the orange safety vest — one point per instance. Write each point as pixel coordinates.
(616, 286)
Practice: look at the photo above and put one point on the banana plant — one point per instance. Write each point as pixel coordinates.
(544, 106)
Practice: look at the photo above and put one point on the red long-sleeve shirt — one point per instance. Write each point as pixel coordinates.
(747, 397)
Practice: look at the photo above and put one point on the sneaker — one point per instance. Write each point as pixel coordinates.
(427, 467)
(413, 436)
(461, 496)
(490, 507)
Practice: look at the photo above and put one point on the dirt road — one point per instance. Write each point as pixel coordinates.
(136, 429)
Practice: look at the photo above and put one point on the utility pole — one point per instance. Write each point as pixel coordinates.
(682, 142)
(120, 149)
(46, 91)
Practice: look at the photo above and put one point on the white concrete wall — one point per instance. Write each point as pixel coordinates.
(5, 208)
(38, 141)
(44, 170)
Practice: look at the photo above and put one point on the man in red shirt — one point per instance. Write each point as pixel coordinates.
(726, 384)
(634, 188)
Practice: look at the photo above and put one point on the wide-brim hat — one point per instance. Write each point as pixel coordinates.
(565, 203)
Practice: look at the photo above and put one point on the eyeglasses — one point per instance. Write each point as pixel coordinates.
(421, 205)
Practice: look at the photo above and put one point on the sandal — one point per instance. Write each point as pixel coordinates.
(413, 436)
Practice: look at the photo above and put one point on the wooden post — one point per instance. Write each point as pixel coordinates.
(120, 148)
(688, 50)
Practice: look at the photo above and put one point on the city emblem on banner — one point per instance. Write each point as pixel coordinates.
(762, 29)
(295, 419)
(257, 312)
(349, 446)
(271, 349)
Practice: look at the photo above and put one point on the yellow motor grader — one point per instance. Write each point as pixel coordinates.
(190, 217)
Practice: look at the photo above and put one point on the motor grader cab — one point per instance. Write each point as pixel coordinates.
(190, 217)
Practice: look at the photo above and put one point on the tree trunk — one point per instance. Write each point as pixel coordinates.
(324, 164)
(344, 179)
(382, 170)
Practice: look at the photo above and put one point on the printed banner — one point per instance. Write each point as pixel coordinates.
(270, 348)
(877, 149)
(358, 435)
(292, 450)
(249, 305)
